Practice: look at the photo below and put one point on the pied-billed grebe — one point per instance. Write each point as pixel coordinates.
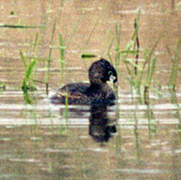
(97, 91)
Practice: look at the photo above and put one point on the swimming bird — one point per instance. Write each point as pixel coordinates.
(95, 92)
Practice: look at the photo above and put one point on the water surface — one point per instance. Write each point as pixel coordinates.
(130, 140)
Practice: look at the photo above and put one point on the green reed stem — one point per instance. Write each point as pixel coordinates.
(61, 55)
(29, 65)
(19, 26)
(49, 59)
(2, 87)
(150, 71)
(175, 65)
(66, 107)
(35, 44)
(83, 56)
(27, 83)
(23, 59)
(109, 49)
(117, 48)
(149, 55)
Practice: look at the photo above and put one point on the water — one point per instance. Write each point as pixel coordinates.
(130, 140)
(38, 142)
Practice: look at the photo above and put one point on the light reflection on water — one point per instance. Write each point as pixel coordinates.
(120, 136)
(47, 113)
(131, 133)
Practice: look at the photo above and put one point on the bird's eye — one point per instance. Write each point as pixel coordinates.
(110, 73)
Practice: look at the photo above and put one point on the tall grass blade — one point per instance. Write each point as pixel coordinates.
(175, 65)
(23, 59)
(27, 83)
(137, 43)
(109, 49)
(61, 52)
(2, 87)
(35, 44)
(136, 25)
(117, 48)
(61, 56)
(19, 26)
(151, 69)
(49, 59)
(66, 107)
(84, 56)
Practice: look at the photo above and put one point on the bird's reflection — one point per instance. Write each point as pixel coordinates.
(101, 127)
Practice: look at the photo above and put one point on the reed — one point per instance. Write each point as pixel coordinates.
(147, 83)
(83, 56)
(137, 43)
(137, 143)
(66, 105)
(27, 84)
(175, 65)
(66, 115)
(35, 44)
(118, 138)
(128, 54)
(2, 87)
(152, 124)
(48, 65)
(175, 57)
(109, 49)
(139, 75)
(117, 47)
(29, 66)
(19, 26)
(62, 49)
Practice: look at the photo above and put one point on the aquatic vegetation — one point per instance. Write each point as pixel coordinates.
(28, 84)
(175, 57)
(66, 107)
(48, 65)
(175, 64)
(2, 87)
(62, 49)
(149, 64)
(17, 26)
(139, 74)
(29, 66)
(83, 56)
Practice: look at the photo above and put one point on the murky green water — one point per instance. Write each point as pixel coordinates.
(130, 140)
